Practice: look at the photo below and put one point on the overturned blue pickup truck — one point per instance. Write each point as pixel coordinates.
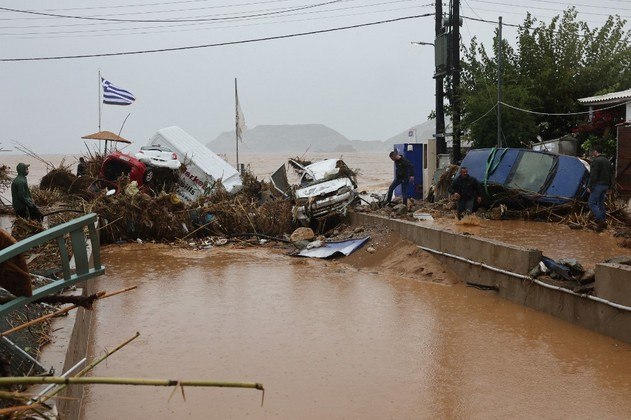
(527, 174)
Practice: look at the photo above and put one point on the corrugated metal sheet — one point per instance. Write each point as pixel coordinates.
(332, 249)
(614, 97)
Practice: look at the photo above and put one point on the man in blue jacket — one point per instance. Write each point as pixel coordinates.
(21, 196)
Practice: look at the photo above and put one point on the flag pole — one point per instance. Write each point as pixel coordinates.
(100, 102)
(236, 120)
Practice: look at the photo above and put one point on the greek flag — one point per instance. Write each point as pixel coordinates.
(113, 95)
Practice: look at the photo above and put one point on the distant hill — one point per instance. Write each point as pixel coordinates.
(284, 138)
(423, 131)
(315, 137)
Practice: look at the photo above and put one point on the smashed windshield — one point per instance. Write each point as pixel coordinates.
(532, 171)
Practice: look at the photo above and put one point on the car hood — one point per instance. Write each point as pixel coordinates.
(323, 188)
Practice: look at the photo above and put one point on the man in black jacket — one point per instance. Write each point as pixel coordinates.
(465, 189)
(599, 183)
(404, 174)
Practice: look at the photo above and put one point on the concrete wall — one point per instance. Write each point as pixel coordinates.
(70, 406)
(610, 278)
(77, 350)
(512, 258)
(613, 282)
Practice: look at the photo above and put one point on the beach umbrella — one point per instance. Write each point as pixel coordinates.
(106, 136)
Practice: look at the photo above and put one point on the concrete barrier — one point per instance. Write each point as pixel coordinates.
(507, 270)
(512, 258)
(70, 404)
(613, 282)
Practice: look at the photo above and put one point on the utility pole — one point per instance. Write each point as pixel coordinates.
(441, 144)
(456, 153)
(499, 86)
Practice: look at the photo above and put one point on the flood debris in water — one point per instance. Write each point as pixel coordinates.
(319, 249)
(565, 272)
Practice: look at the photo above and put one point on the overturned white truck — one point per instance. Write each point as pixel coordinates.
(204, 170)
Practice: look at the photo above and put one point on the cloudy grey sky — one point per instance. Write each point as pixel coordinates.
(367, 83)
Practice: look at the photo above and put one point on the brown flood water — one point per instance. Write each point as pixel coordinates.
(330, 341)
(554, 240)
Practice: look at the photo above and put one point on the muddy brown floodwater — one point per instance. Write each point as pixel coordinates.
(330, 340)
(553, 239)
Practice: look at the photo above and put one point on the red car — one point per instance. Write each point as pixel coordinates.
(118, 164)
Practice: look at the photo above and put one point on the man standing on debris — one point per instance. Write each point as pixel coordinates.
(82, 167)
(404, 174)
(465, 189)
(21, 196)
(599, 182)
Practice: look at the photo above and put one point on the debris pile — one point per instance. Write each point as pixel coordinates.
(157, 213)
(58, 179)
(566, 272)
(575, 214)
(570, 274)
(5, 184)
(133, 214)
(44, 259)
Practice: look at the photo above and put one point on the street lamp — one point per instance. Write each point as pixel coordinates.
(441, 145)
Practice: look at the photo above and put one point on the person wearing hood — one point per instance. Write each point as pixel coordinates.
(21, 196)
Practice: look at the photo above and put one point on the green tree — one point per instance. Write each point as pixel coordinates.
(549, 69)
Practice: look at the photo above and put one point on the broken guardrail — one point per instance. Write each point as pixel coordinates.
(86, 266)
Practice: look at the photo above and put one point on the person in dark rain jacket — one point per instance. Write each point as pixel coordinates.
(21, 196)
(404, 174)
(599, 183)
(465, 189)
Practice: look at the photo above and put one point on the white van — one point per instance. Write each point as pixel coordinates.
(202, 168)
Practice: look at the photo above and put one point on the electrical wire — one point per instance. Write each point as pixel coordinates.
(256, 3)
(196, 23)
(219, 44)
(494, 22)
(159, 11)
(485, 114)
(573, 4)
(561, 113)
(188, 27)
(487, 87)
(93, 18)
(529, 7)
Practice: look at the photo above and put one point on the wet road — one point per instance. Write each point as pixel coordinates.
(329, 341)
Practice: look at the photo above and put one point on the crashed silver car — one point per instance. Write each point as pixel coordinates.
(325, 188)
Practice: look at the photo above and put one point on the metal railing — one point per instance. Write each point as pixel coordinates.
(86, 266)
